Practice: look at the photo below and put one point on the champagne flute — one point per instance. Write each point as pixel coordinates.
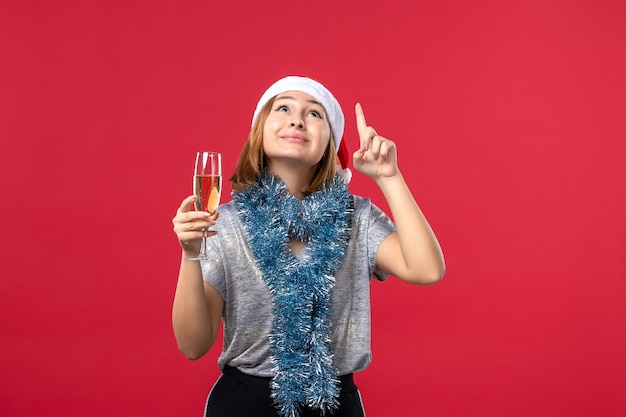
(207, 184)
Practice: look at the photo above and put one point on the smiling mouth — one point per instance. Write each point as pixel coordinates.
(294, 138)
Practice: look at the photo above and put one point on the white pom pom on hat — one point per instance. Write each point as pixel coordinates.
(326, 99)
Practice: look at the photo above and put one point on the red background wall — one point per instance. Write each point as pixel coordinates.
(510, 122)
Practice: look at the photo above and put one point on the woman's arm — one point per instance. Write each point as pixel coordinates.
(197, 308)
(412, 253)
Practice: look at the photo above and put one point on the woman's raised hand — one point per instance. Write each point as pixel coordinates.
(190, 226)
(376, 156)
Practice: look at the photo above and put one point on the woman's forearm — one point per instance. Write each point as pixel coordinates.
(194, 321)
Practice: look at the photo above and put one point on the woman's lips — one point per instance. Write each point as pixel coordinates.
(294, 137)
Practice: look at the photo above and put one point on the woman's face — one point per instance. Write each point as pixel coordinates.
(296, 129)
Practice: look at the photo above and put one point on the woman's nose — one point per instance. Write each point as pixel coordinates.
(297, 123)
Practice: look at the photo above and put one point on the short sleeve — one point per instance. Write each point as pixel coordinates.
(377, 227)
(213, 270)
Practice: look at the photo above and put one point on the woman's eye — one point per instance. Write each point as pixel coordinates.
(315, 113)
(282, 108)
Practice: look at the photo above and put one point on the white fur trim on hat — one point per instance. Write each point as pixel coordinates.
(314, 89)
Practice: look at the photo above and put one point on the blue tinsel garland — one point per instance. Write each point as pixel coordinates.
(300, 286)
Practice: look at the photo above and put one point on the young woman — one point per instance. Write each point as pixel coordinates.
(294, 254)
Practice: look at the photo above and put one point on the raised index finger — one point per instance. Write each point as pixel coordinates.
(361, 124)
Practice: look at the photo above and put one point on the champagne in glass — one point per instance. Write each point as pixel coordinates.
(207, 187)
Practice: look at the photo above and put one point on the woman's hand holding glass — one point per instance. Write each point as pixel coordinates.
(191, 226)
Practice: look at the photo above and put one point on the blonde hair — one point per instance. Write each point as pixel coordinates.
(252, 159)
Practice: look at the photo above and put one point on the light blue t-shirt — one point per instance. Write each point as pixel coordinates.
(247, 312)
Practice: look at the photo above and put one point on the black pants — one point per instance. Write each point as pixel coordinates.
(236, 394)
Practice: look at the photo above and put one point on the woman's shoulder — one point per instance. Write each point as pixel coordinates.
(361, 202)
(364, 207)
(228, 213)
(228, 207)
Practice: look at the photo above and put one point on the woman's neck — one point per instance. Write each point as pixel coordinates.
(295, 176)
